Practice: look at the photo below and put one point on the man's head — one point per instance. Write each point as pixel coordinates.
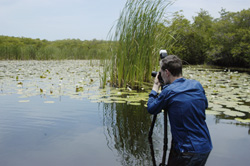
(171, 67)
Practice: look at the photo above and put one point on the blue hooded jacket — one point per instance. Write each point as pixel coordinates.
(185, 101)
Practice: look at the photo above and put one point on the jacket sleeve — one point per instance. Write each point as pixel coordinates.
(205, 97)
(206, 102)
(155, 102)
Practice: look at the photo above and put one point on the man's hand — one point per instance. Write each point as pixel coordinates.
(157, 83)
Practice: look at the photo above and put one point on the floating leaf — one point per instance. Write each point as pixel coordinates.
(243, 108)
(49, 102)
(243, 120)
(43, 76)
(134, 103)
(79, 89)
(23, 101)
(233, 113)
(226, 91)
(119, 101)
(215, 106)
(210, 112)
(95, 101)
(107, 101)
(132, 99)
(220, 109)
(229, 104)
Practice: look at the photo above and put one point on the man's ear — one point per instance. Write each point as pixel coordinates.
(168, 73)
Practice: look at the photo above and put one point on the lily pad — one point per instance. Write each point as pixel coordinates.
(95, 101)
(214, 106)
(134, 103)
(220, 109)
(119, 101)
(23, 101)
(243, 108)
(107, 101)
(210, 112)
(49, 102)
(229, 104)
(226, 91)
(233, 113)
(243, 120)
(132, 99)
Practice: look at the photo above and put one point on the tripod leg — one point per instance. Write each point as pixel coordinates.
(152, 150)
(165, 146)
(150, 139)
(152, 126)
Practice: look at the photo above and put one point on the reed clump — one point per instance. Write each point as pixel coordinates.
(139, 35)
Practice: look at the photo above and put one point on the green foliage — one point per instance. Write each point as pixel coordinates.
(224, 41)
(140, 33)
(192, 39)
(14, 48)
(139, 38)
(231, 39)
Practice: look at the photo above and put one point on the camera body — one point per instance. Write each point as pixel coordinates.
(163, 54)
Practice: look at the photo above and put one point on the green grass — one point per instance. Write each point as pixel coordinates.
(140, 34)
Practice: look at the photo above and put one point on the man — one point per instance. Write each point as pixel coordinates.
(185, 102)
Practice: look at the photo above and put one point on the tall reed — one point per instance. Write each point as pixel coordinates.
(140, 35)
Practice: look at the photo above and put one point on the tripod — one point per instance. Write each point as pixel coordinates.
(165, 141)
(163, 54)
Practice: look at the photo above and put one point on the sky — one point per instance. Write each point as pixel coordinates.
(86, 19)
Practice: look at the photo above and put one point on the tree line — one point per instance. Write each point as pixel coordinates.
(16, 48)
(223, 41)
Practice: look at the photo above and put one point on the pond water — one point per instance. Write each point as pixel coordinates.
(54, 113)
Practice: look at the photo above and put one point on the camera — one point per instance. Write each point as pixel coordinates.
(154, 73)
(163, 54)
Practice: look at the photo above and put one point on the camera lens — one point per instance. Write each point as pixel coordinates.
(154, 73)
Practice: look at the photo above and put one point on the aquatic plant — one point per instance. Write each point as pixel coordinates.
(227, 91)
(139, 34)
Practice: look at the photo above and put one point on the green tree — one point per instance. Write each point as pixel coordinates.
(231, 40)
(27, 48)
(192, 41)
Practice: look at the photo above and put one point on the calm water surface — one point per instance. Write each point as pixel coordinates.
(75, 131)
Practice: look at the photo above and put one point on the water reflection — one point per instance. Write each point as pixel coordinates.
(126, 131)
(72, 128)
(220, 119)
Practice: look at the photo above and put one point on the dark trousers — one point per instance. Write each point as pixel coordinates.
(187, 159)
